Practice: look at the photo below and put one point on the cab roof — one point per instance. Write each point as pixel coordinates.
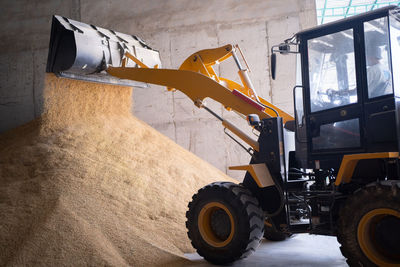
(380, 12)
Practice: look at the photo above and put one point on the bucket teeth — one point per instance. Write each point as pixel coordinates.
(83, 51)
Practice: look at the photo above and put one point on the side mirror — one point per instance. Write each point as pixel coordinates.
(273, 65)
(283, 49)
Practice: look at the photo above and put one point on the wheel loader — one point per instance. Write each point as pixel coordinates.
(332, 169)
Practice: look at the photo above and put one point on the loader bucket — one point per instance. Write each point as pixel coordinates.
(82, 51)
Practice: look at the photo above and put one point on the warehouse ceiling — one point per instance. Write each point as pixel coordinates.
(330, 10)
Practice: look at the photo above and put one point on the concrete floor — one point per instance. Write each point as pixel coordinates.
(300, 250)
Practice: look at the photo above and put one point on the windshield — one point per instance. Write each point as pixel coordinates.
(331, 69)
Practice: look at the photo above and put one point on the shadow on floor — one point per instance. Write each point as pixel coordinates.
(299, 250)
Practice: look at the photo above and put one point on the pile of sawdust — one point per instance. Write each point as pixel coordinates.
(89, 184)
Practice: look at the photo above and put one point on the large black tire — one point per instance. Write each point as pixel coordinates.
(225, 222)
(271, 234)
(369, 226)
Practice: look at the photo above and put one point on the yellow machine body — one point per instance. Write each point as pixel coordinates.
(349, 163)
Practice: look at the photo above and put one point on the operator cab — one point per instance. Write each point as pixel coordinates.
(347, 100)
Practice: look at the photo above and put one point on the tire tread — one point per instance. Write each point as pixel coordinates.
(245, 205)
(365, 197)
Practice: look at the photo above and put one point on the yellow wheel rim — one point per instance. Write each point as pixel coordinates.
(205, 227)
(365, 235)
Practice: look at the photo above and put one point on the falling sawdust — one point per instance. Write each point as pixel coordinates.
(88, 184)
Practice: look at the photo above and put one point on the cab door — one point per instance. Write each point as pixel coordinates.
(334, 96)
(380, 109)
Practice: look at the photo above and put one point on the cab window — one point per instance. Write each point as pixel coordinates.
(379, 80)
(332, 75)
(395, 50)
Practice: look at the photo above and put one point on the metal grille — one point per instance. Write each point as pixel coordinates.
(331, 10)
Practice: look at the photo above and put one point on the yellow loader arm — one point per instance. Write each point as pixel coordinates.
(197, 79)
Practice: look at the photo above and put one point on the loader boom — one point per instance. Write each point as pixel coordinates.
(197, 79)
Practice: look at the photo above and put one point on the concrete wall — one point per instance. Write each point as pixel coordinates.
(24, 33)
(177, 28)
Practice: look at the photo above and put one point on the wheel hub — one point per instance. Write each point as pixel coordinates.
(378, 235)
(220, 224)
(216, 224)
